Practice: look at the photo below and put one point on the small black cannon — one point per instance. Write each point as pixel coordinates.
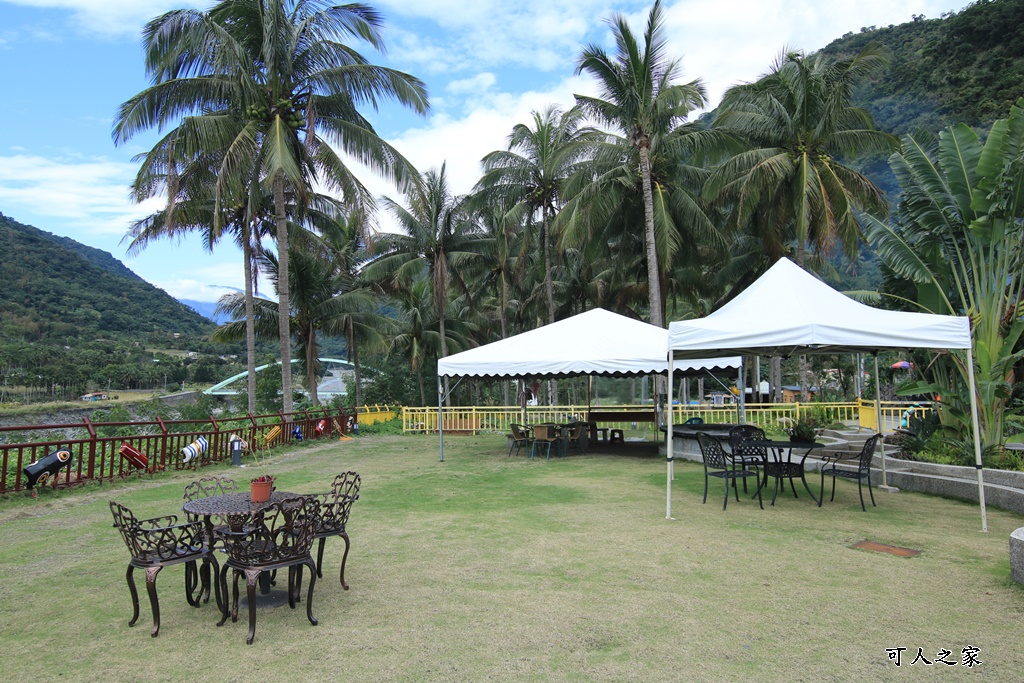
(40, 471)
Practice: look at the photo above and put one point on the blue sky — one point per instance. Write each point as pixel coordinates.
(66, 65)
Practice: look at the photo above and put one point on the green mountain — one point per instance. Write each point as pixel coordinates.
(965, 67)
(53, 289)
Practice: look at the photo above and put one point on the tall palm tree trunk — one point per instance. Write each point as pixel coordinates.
(250, 323)
(444, 352)
(653, 279)
(284, 317)
(311, 359)
(550, 289)
(504, 331)
(353, 357)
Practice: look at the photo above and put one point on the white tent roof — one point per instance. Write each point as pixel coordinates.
(597, 342)
(787, 309)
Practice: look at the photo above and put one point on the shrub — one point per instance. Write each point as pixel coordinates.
(392, 426)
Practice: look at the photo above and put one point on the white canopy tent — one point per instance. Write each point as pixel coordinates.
(788, 310)
(597, 342)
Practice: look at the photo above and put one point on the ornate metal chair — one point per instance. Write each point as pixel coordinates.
(204, 487)
(278, 537)
(520, 438)
(716, 464)
(161, 542)
(742, 453)
(862, 473)
(334, 511)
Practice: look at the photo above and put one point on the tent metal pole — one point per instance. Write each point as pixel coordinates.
(977, 438)
(522, 400)
(741, 406)
(670, 468)
(440, 418)
(878, 420)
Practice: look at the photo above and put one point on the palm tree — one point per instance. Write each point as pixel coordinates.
(529, 176)
(190, 209)
(323, 297)
(269, 83)
(418, 328)
(640, 99)
(607, 194)
(791, 184)
(439, 234)
(343, 244)
(505, 265)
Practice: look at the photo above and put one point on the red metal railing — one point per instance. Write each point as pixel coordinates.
(95, 446)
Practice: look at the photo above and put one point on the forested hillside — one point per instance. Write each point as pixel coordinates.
(74, 318)
(54, 289)
(964, 67)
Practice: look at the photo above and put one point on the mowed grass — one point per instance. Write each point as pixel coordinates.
(489, 568)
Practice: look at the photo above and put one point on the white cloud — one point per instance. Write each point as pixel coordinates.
(532, 33)
(93, 192)
(464, 141)
(111, 17)
(475, 85)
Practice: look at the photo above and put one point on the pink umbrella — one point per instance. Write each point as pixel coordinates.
(902, 365)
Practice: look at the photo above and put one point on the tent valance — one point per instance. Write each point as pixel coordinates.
(597, 342)
(789, 310)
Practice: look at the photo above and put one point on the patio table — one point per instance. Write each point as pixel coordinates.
(781, 466)
(234, 508)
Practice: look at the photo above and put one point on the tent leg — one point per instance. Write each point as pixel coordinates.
(670, 468)
(878, 421)
(440, 418)
(741, 405)
(977, 439)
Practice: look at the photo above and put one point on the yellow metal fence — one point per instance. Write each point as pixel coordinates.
(768, 416)
(376, 413)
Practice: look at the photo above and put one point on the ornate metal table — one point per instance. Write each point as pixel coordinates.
(782, 467)
(234, 508)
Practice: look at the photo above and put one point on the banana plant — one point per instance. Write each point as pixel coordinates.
(957, 236)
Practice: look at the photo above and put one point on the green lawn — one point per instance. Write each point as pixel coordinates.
(504, 569)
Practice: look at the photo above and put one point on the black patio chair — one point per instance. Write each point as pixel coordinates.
(717, 464)
(161, 542)
(742, 453)
(861, 473)
(335, 508)
(279, 536)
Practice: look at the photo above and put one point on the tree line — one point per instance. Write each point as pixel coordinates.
(622, 201)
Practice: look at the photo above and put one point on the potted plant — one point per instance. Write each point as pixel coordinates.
(261, 486)
(803, 431)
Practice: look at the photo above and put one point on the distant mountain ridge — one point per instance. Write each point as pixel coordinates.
(56, 289)
(207, 309)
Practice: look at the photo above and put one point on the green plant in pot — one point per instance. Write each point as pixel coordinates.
(803, 431)
(260, 486)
